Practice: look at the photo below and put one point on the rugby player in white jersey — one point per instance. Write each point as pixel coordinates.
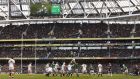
(11, 63)
(48, 69)
(100, 69)
(30, 68)
(63, 69)
(84, 68)
(69, 67)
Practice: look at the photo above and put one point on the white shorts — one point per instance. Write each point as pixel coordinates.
(49, 70)
(29, 70)
(11, 68)
(84, 71)
(100, 70)
(126, 71)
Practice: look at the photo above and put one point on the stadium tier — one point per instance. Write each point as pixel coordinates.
(69, 30)
(69, 39)
(88, 43)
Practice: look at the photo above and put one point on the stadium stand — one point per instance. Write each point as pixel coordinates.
(88, 31)
(66, 30)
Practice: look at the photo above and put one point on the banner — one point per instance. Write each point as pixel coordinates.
(55, 9)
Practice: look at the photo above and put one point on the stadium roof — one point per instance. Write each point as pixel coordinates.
(96, 9)
(102, 6)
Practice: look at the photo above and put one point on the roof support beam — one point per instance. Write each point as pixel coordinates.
(95, 8)
(9, 10)
(82, 8)
(134, 5)
(101, 10)
(107, 14)
(70, 7)
(20, 6)
(106, 6)
(114, 19)
(118, 6)
(77, 1)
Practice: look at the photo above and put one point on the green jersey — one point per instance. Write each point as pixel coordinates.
(53, 65)
(76, 66)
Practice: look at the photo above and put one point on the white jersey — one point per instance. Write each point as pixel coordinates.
(56, 66)
(11, 63)
(63, 67)
(49, 69)
(30, 67)
(100, 67)
(70, 67)
(84, 67)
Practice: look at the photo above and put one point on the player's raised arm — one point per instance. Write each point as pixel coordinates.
(73, 61)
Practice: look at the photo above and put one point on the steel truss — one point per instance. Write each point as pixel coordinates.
(13, 9)
(73, 10)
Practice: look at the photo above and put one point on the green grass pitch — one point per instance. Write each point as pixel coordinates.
(41, 76)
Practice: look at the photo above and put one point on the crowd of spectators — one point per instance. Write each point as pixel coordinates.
(5, 53)
(69, 30)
